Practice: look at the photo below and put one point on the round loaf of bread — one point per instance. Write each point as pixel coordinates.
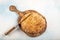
(33, 23)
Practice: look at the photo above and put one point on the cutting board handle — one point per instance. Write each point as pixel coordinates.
(14, 9)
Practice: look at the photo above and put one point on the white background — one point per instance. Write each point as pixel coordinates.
(48, 8)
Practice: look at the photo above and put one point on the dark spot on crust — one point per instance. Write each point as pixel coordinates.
(19, 25)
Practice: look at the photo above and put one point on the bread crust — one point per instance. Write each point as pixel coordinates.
(34, 23)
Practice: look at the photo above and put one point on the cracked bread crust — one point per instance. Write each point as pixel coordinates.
(34, 25)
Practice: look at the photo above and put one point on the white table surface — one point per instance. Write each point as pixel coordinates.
(48, 8)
